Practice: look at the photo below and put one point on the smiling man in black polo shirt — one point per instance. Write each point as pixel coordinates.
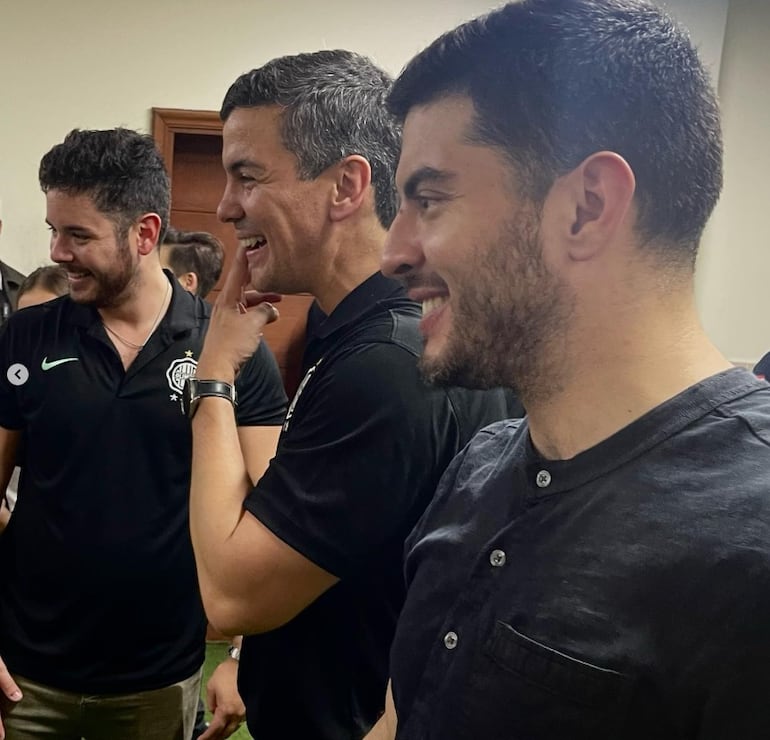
(101, 623)
(311, 556)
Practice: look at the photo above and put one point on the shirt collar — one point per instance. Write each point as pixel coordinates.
(354, 306)
(634, 440)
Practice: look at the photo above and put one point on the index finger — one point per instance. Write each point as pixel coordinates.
(236, 280)
(8, 686)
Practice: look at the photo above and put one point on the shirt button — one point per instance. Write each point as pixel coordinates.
(497, 558)
(450, 640)
(543, 479)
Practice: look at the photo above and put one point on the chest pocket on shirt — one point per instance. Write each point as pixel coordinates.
(520, 689)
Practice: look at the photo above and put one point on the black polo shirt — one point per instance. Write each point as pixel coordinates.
(762, 368)
(363, 446)
(624, 593)
(98, 590)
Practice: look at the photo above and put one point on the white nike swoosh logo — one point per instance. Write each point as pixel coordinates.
(48, 365)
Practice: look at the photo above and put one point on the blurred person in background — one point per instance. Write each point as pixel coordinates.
(10, 282)
(195, 257)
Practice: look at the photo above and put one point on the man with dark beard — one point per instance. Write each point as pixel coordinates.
(600, 569)
(101, 624)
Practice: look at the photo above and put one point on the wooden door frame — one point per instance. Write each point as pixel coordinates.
(168, 122)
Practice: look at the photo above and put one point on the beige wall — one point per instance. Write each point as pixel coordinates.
(103, 63)
(733, 279)
(100, 63)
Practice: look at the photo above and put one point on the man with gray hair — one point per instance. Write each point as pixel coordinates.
(307, 563)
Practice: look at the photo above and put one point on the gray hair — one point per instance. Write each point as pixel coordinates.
(334, 106)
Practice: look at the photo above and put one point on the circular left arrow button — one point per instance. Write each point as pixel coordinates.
(17, 374)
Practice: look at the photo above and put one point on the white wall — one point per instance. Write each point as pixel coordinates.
(733, 279)
(705, 20)
(101, 63)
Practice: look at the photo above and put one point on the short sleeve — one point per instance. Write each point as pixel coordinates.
(360, 458)
(261, 397)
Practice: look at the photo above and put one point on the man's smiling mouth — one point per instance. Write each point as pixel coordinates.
(431, 304)
(253, 243)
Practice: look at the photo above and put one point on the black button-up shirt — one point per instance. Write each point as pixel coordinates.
(624, 593)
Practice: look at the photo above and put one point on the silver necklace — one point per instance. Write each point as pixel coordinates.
(134, 345)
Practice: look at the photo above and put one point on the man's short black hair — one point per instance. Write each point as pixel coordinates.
(121, 170)
(553, 81)
(195, 251)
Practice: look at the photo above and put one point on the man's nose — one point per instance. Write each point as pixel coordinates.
(402, 253)
(229, 208)
(59, 250)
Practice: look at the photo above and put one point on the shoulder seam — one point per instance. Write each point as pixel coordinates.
(746, 423)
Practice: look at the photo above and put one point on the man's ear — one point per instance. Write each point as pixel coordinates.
(148, 231)
(596, 199)
(189, 281)
(353, 178)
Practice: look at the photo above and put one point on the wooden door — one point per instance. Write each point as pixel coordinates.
(191, 144)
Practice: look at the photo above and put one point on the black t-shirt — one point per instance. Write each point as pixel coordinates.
(624, 593)
(361, 452)
(98, 590)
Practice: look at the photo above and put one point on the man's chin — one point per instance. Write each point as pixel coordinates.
(261, 281)
(451, 373)
(436, 371)
(264, 283)
(95, 298)
(85, 297)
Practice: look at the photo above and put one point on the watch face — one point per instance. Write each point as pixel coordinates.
(188, 392)
(194, 389)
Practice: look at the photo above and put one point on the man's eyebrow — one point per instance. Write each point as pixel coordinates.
(68, 227)
(244, 164)
(421, 176)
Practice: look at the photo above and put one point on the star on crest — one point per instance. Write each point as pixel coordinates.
(188, 353)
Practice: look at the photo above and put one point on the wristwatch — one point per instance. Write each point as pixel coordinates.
(195, 389)
(234, 652)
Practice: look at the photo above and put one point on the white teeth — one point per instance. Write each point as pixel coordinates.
(253, 242)
(430, 304)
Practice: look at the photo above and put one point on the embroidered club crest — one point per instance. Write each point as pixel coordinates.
(178, 371)
(305, 381)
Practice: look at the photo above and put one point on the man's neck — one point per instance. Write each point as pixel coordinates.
(607, 385)
(141, 306)
(350, 263)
